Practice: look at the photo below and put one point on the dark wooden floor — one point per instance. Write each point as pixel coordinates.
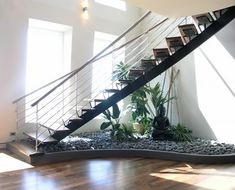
(120, 174)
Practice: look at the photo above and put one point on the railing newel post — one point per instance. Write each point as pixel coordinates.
(37, 128)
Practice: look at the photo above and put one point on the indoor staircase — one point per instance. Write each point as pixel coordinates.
(192, 35)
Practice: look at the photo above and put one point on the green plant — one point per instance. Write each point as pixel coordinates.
(156, 96)
(147, 123)
(138, 105)
(181, 133)
(128, 130)
(139, 109)
(112, 120)
(120, 71)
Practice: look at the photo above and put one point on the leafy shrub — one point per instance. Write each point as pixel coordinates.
(112, 120)
(118, 131)
(181, 133)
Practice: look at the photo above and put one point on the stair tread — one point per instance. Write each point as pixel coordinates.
(24, 148)
(42, 138)
(161, 52)
(204, 18)
(99, 100)
(76, 119)
(174, 43)
(135, 72)
(136, 69)
(148, 63)
(218, 13)
(125, 80)
(87, 109)
(111, 90)
(188, 32)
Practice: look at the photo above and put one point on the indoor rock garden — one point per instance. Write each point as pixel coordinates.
(148, 128)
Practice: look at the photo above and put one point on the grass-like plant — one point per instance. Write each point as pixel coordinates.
(181, 133)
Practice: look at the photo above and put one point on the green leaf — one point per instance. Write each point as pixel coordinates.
(105, 125)
(107, 115)
(116, 111)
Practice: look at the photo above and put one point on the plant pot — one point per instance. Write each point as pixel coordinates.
(139, 128)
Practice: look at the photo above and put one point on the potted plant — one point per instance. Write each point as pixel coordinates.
(138, 107)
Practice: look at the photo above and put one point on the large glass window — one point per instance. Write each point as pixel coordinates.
(102, 69)
(48, 52)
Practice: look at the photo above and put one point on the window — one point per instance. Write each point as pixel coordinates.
(102, 69)
(48, 52)
(118, 4)
(48, 56)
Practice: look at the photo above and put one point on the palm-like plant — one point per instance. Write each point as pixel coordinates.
(120, 71)
(156, 96)
(138, 104)
(112, 119)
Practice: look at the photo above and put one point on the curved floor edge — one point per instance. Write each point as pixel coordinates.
(46, 158)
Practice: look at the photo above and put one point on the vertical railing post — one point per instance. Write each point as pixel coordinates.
(17, 120)
(76, 92)
(113, 63)
(37, 128)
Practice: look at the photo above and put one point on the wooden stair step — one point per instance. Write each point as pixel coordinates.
(203, 20)
(79, 119)
(74, 123)
(44, 138)
(99, 100)
(219, 13)
(188, 32)
(22, 148)
(136, 72)
(87, 109)
(111, 90)
(161, 54)
(174, 43)
(125, 81)
(148, 62)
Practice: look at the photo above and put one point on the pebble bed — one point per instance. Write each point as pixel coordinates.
(102, 140)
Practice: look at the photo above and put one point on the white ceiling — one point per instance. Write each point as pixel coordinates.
(180, 8)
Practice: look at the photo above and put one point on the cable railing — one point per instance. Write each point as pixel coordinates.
(56, 103)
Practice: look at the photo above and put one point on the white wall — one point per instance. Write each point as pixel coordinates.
(14, 15)
(207, 87)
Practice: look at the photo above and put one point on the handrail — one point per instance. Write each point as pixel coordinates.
(71, 74)
(44, 86)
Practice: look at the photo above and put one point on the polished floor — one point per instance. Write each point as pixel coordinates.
(118, 174)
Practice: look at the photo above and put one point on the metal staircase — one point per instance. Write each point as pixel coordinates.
(54, 111)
